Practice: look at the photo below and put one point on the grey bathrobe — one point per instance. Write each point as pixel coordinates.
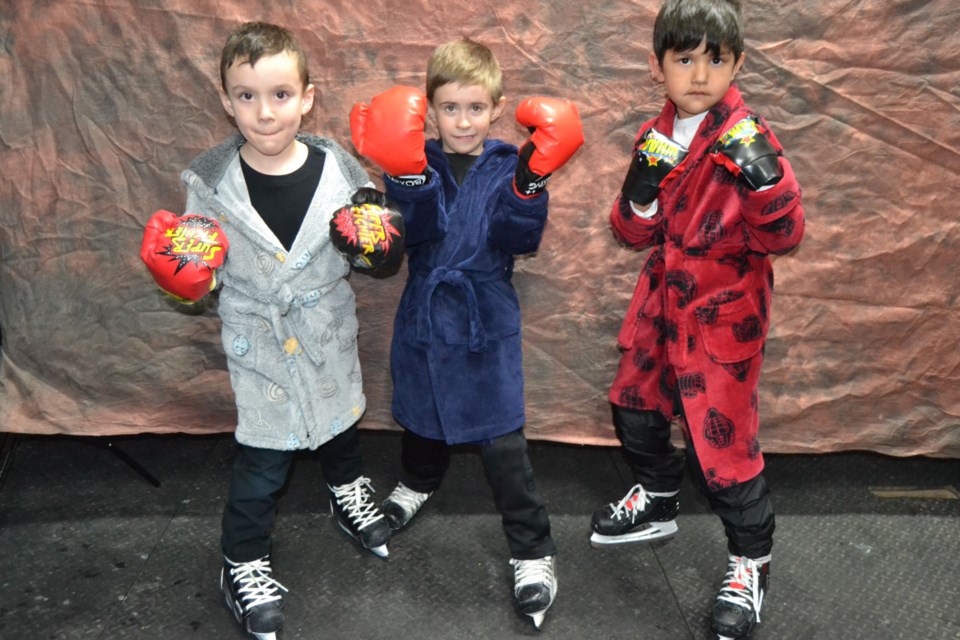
(289, 318)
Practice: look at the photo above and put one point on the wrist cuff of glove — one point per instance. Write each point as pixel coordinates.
(764, 172)
(528, 184)
(411, 180)
(640, 192)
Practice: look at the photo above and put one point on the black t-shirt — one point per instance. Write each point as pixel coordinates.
(282, 201)
(460, 163)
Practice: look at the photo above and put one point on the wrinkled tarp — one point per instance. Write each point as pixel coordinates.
(102, 104)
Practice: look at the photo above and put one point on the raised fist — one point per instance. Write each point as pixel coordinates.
(389, 131)
(654, 158)
(746, 151)
(183, 253)
(370, 232)
(556, 135)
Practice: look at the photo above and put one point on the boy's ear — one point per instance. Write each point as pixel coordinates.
(738, 64)
(498, 108)
(308, 96)
(227, 106)
(656, 71)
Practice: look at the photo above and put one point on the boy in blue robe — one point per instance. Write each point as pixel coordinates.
(470, 204)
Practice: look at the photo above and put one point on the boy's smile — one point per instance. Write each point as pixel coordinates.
(463, 115)
(695, 80)
(268, 101)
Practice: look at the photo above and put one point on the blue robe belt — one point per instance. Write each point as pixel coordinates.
(456, 278)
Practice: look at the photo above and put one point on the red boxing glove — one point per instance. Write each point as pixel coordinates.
(557, 134)
(183, 253)
(389, 131)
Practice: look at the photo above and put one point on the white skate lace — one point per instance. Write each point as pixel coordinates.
(408, 499)
(741, 586)
(538, 571)
(255, 585)
(355, 500)
(632, 504)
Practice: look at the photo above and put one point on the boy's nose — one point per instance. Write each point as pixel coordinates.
(700, 73)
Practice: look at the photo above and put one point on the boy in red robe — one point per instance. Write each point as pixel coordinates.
(710, 190)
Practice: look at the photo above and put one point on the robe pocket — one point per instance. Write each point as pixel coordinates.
(248, 340)
(732, 331)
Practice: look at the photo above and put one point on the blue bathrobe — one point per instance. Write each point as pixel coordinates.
(456, 357)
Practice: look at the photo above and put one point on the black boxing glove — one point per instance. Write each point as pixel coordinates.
(369, 195)
(746, 151)
(655, 157)
(370, 233)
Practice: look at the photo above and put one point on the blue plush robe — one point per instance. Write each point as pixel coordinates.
(456, 357)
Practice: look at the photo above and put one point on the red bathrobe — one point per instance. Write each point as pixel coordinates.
(700, 312)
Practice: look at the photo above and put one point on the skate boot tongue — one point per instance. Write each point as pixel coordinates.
(253, 595)
(737, 608)
(355, 512)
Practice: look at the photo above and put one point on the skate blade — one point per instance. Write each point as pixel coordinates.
(264, 636)
(381, 551)
(537, 618)
(661, 531)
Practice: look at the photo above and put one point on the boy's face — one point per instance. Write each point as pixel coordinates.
(268, 101)
(695, 80)
(463, 115)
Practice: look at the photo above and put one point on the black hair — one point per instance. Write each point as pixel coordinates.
(682, 25)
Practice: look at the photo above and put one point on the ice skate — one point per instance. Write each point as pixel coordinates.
(254, 596)
(353, 508)
(535, 586)
(641, 516)
(401, 505)
(737, 609)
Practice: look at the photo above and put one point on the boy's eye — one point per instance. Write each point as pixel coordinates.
(281, 95)
(246, 95)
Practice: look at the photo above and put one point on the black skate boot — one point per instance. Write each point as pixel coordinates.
(254, 596)
(401, 505)
(639, 517)
(535, 586)
(737, 608)
(359, 517)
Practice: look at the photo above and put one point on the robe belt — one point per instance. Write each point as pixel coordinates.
(286, 298)
(457, 278)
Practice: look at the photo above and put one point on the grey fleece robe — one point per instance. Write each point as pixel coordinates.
(289, 318)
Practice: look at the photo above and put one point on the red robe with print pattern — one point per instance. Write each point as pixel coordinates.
(699, 315)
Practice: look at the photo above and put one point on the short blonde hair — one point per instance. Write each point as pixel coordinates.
(464, 62)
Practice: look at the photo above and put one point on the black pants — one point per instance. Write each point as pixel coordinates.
(259, 475)
(510, 476)
(745, 508)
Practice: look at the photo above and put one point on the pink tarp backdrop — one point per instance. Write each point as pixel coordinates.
(102, 104)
